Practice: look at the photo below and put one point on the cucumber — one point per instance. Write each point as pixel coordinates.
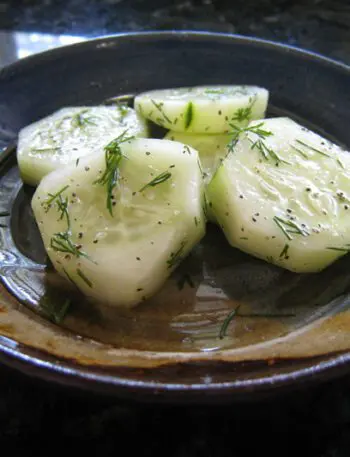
(203, 109)
(69, 134)
(211, 149)
(283, 195)
(119, 221)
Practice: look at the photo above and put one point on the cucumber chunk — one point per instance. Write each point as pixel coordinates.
(203, 109)
(211, 149)
(119, 221)
(283, 195)
(69, 134)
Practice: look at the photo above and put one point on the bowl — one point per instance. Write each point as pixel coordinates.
(292, 330)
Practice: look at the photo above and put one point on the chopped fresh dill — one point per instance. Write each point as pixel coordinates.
(196, 222)
(346, 248)
(78, 120)
(84, 278)
(302, 153)
(123, 109)
(62, 242)
(284, 252)
(188, 115)
(159, 107)
(4, 214)
(113, 157)
(266, 151)
(244, 114)
(162, 177)
(51, 149)
(49, 201)
(77, 162)
(312, 148)
(231, 315)
(176, 257)
(289, 227)
(61, 203)
(340, 163)
(54, 308)
(237, 131)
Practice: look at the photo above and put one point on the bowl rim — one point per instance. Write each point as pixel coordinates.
(68, 373)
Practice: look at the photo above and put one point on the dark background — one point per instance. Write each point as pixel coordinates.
(41, 419)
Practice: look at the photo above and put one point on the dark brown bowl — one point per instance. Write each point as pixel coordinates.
(290, 330)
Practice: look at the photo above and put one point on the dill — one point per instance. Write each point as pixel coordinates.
(78, 120)
(313, 149)
(244, 114)
(289, 227)
(231, 315)
(61, 203)
(340, 163)
(302, 153)
(159, 107)
(176, 257)
(4, 214)
(61, 242)
(188, 115)
(196, 221)
(113, 157)
(238, 131)
(345, 249)
(84, 278)
(162, 177)
(53, 308)
(284, 252)
(123, 109)
(266, 151)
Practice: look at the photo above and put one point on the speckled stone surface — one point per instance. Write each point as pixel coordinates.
(321, 25)
(38, 418)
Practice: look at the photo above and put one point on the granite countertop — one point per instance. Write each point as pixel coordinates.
(36, 417)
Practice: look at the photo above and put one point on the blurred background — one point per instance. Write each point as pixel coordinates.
(37, 418)
(319, 25)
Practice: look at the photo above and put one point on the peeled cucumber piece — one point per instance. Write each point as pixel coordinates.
(118, 244)
(203, 109)
(283, 195)
(71, 133)
(211, 149)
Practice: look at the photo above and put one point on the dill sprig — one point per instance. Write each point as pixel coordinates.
(176, 257)
(302, 153)
(79, 120)
(113, 157)
(289, 227)
(235, 313)
(244, 114)
(267, 152)
(313, 148)
(53, 308)
(159, 107)
(345, 249)
(61, 204)
(62, 242)
(284, 252)
(162, 177)
(84, 278)
(231, 315)
(238, 131)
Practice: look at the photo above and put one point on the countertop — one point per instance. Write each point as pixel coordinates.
(37, 418)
